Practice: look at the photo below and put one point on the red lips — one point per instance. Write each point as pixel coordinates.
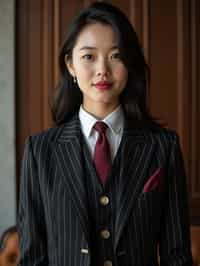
(103, 85)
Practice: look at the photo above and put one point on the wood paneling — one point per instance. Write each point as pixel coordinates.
(37, 49)
(139, 15)
(163, 60)
(195, 109)
(183, 86)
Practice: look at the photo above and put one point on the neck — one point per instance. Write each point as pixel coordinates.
(100, 111)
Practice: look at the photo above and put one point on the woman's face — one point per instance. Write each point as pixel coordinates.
(99, 70)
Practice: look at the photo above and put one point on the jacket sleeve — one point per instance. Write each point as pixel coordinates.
(31, 221)
(174, 246)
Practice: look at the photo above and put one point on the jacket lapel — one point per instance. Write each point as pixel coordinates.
(137, 151)
(68, 156)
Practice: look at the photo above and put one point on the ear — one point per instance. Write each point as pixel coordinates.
(69, 65)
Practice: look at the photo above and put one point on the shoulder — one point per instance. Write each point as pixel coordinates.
(164, 135)
(43, 140)
(165, 139)
(152, 131)
(48, 135)
(164, 142)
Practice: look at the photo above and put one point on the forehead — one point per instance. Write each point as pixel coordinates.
(96, 35)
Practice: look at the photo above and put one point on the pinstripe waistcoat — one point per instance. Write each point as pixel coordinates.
(102, 216)
(53, 218)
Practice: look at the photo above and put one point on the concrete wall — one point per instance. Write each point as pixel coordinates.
(7, 116)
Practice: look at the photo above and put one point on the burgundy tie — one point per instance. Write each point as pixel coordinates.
(102, 158)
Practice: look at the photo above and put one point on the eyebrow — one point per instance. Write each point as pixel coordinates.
(93, 48)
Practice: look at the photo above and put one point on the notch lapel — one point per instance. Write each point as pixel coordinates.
(68, 157)
(137, 153)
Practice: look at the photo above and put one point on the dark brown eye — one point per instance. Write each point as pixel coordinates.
(87, 56)
(115, 56)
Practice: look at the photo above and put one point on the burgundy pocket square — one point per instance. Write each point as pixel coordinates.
(155, 181)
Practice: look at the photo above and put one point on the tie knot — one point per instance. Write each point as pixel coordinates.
(100, 127)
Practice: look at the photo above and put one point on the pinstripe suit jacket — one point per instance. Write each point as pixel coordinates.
(53, 218)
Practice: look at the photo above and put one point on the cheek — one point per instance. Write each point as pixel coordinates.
(121, 74)
(84, 73)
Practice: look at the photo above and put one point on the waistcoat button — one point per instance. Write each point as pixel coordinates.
(105, 234)
(104, 200)
(107, 263)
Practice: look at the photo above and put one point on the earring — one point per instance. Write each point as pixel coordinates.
(75, 79)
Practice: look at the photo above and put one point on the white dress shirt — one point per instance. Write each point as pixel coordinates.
(115, 123)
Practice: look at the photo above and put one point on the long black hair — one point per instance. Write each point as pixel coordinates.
(133, 99)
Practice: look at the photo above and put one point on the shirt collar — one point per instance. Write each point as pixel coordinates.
(115, 121)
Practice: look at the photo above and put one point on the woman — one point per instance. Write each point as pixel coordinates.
(106, 186)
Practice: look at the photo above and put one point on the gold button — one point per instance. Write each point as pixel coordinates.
(105, 234)
(104, 200)
(108, 263)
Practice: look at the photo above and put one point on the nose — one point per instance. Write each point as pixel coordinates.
(102, 68)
